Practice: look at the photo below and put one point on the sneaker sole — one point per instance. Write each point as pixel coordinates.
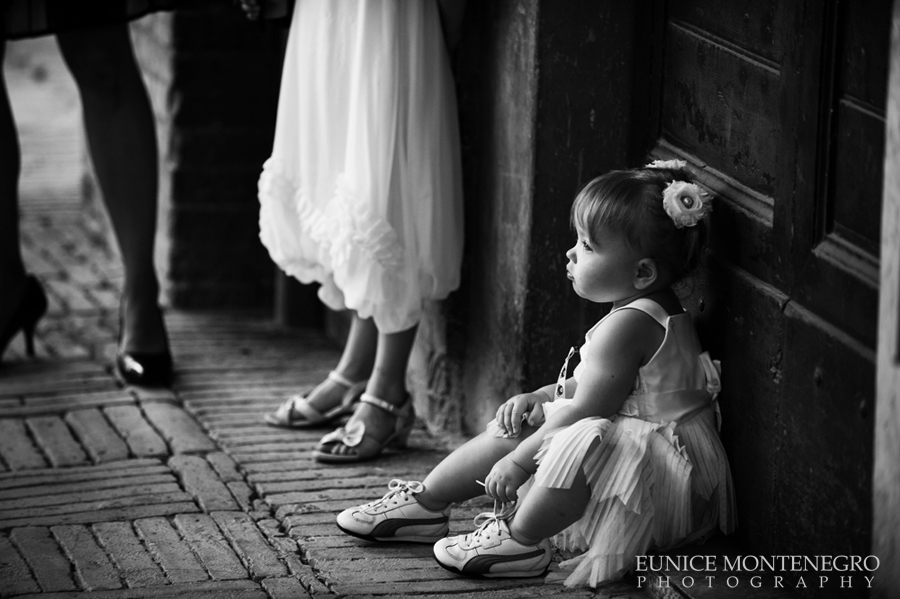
(408, 539)
(519, 574)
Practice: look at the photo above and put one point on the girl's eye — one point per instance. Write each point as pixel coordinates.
(586, 246)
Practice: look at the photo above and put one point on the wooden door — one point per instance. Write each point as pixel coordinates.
(780, 108)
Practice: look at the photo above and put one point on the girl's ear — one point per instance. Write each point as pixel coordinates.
(646, 273)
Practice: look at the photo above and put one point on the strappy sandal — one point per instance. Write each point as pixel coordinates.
(362, 446)
(297, 412)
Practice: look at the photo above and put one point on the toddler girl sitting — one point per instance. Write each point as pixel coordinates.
(624, 456)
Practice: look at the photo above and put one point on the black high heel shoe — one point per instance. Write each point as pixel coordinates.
(146, 369)
(31, 309)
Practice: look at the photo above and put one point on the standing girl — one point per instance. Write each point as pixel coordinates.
(362, 194)
(625, 455)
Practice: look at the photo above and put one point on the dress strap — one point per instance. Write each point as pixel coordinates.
(649, 307)
(560, 391)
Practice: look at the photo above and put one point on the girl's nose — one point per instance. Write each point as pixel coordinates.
(570, 254)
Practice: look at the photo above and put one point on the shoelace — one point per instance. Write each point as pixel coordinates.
(400, 487)
(487, 521)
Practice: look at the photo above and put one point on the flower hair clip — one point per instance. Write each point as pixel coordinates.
(685, 203)
(669, 164)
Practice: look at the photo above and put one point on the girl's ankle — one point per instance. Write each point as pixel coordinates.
(391, 392)
(431, 504)
(326, 395)
(522, 538)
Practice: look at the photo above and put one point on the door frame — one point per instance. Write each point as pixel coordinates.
(886, 468)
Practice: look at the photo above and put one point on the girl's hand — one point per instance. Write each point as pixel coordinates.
(504, 480)
(511, 412)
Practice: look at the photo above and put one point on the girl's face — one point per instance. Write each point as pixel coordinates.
(603, 270)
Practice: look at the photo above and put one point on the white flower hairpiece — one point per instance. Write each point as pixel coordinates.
(686, 203)
(670, 164)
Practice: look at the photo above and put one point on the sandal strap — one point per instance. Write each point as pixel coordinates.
(352, 394)
(336, 377)
(387, 407)
(298, 404)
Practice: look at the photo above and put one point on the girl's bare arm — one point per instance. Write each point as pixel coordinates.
(618, 348)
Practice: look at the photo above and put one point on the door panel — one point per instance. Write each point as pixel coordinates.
(780, 110)
(755, 26)
(856, 196)
(729, 120)
(837, 273)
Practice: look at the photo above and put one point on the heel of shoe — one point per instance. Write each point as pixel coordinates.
(404, 428)
(400, 440)
(37, 301)
(32, 307)
(144, 369)
(28, 333)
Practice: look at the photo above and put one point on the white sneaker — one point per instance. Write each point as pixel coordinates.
(396, 517)
(490, 551)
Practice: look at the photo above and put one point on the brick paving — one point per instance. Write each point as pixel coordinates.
(126, 492)
(122, 492)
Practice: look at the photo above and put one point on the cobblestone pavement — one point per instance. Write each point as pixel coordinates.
(126, 492)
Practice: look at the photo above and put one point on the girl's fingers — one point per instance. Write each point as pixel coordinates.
(514, 417)
(503, 418)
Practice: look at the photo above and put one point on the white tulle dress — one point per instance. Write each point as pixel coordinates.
(659, 476)
(362, 192)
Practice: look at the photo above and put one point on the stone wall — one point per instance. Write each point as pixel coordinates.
(544, 105)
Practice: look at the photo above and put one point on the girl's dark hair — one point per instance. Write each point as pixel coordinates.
(631, 202)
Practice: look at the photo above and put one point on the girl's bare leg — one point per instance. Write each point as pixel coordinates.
(545, 512)
(121, 136)
(355, 364)
(541, 514)
(453, 480)
(387, 382)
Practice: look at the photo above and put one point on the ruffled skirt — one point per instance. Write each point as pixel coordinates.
(362, 192)
(653, 486)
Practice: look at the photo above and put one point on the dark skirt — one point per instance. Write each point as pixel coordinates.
(33, 18)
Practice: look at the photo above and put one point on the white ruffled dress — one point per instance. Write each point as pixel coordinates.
(363, 191)
(659, 476)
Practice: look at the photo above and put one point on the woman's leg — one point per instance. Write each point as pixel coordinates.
(122, 139)
(12, 270)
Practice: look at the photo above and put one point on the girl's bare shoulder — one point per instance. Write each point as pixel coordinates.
(632, 335)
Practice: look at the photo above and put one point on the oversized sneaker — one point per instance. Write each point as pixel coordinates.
(396, 517)
(490, 551)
